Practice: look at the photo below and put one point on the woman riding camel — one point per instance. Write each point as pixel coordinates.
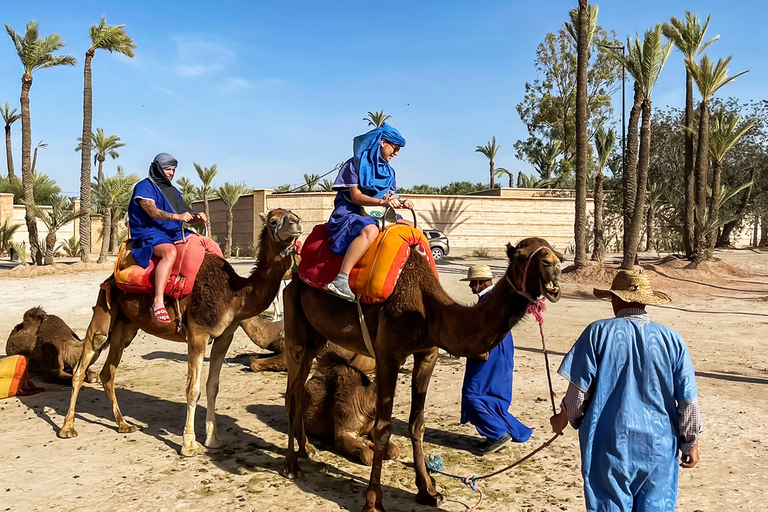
(366, 179)
(156, 217)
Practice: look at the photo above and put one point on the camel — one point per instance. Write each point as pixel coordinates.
(219, 300)
(340, 405)
(417, 319)
(49, 345)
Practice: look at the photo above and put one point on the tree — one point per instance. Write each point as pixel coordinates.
(376, 118)
(42, 145)
(688, 36)
(109, 193)
(709, 78)
(61, 213)
(43, 189)
(584, 21)
(6, 235)
(187, 189)
(326, 185)
(544, 158)
(9, 117)
(230, 194)
(604, 142)
(548, 109)
(111, 38)
(206, 175)
(310, 182)
(644, 62)
(102, 145)
(35, 53)
(489, 150)
(500, 171)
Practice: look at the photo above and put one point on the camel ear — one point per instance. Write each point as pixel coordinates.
(510, 250)
(559, 255)
(263, 217)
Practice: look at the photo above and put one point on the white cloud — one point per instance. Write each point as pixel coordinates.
(201, 58)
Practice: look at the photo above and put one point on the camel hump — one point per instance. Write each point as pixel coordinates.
(36, 313)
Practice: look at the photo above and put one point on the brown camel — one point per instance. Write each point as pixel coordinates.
(340, 406)
(219, 300)
(418, 318)
(49, 345)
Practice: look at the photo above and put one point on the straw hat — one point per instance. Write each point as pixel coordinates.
(633, 286)
(478, 273)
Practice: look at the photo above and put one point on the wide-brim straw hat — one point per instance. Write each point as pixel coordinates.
(478, 273)
(633, 286)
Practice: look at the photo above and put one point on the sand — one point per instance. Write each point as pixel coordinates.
(721, 311)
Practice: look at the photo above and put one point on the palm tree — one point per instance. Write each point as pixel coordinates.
(583, 23)
(34, 53)
(545, 158)
(108, 193)
(709, 78)
(61, 213)
(187, 189)
(326, 185)
(604, 142)
(489, 150)
(102, 145)
(206, 175)
(644, 62)
(43, 189)
(6, 234)
(113, 39)
(688, 36)
(9, 117)
(230, 194)
(376, 118)
(40, 144)
(500, 171)
(310, 182)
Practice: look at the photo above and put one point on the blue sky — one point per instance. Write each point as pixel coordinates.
(270, 90)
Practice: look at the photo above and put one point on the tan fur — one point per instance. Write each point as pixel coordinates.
(49, 344)
(417, 319)
(220, 299)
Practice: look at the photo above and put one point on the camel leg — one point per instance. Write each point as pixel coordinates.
(423, 365)
(386, 380)
(348, 444)
(95, 338)
(121, 336)
(218, 352)
(268, 363)
(195, 356)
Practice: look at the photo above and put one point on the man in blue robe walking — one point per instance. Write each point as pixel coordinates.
(487, 390)
(632, 396)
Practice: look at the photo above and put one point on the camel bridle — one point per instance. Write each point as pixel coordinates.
(522, 290)
(288, 248)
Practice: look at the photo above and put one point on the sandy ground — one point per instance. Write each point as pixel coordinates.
(721, 311)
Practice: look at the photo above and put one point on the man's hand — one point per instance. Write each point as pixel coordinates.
(690, 460)
(199, 217)
(559, 422)
(185, 217)
(407, 204)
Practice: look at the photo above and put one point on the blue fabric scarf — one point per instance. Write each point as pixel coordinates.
(375, 174)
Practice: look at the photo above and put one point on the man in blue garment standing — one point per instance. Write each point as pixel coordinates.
(632, 396)
(487, 390)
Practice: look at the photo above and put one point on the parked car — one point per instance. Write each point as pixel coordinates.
(438, 242)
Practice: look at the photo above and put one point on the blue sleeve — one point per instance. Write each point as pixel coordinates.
(347, 177)
(145, 189)
(685, 377)
(580, 364)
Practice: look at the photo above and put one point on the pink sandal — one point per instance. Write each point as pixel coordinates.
(161, 314)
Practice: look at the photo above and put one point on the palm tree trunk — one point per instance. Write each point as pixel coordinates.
(85, 160)
(50, 246)
(689, 185)
(630, 178)
(207, 212)
(700, 175)
(638, 213)
(725, 236)
(649, 218)
(492, 169)
(598, 251)
(106, 229)
(582, 140)
(714, 205)
(763, 232)
(100, 175)
(9, 154)
(228, 243)
(26, 171)
(114, 231)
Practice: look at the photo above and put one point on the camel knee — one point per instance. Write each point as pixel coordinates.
(98, 340)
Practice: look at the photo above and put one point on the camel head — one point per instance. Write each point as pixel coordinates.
(283, 226)
(534, 269)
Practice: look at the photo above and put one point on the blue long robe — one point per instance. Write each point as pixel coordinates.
(636, 373)
(486, 394)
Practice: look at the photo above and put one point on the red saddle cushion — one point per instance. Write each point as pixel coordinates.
(132, 278)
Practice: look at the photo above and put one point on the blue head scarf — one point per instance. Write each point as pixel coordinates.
(376, 176)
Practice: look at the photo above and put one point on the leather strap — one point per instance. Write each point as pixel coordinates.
(364, 329)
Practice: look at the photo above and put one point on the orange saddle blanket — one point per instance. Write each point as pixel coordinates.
(374, 277)
(132, 278)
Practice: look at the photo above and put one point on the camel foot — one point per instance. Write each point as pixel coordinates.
(291, 474)
(91, 377)
(307, 451)
(214, 443)
(127, 428)
(67, 432)
(372, 502)
(425, 498)
(366, 457)
(192, 449)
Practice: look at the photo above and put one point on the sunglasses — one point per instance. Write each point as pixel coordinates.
(395, 147)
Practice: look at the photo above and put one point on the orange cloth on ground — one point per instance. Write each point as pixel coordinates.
(13, 374)
(132, 278)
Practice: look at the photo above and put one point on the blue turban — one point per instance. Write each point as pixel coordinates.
(375, 174)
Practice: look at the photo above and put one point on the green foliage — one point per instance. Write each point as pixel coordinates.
(481, 252)
(189, 192)
(6, 234)
(43, 189)
(111, 38)
(282, 189)
(36, 53)
(230, 193)
(376, 118)
(70, 246)
(21, 250)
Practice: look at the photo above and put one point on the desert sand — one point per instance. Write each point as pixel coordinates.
(721, 310)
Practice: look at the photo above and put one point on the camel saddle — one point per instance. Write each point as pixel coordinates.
(131, 277)
(374, 277)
